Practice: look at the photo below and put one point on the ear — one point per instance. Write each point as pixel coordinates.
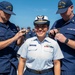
(0, 12)
(72, 7)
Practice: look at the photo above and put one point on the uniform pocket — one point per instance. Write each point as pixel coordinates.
(48, 50)
(32, 48)
(70, 34)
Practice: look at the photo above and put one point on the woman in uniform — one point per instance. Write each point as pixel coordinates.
(40, 54)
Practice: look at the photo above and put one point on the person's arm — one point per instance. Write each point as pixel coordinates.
(71, 43)
(21, 65)
(20, 41)
(57, 67)
(60, 37)
(6, 43)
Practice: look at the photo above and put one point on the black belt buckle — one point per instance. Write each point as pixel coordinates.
(38, 72)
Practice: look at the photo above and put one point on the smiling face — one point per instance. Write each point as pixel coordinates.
(41, 31)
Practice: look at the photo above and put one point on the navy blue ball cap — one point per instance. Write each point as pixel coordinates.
(63, 6)
(6, 7)
(41, 20)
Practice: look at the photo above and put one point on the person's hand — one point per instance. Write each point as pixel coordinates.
(60, 37)
(53, 32)
(20, 34)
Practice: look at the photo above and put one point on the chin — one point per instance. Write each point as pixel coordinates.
(41, 35)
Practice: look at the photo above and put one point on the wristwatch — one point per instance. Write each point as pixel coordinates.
(66, 41)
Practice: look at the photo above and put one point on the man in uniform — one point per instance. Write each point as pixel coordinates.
(64, 29)
(9, 39)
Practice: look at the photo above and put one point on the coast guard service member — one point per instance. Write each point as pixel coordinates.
(9, 39)
(40, 53)
(66, 35)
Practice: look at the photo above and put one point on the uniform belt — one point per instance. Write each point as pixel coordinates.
(39, 71)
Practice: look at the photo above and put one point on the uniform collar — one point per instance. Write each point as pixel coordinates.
(71, 20)
(4, 24)
(46, 39)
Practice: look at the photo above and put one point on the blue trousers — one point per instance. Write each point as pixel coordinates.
(31, 73)
(13, 71)
(67, 72)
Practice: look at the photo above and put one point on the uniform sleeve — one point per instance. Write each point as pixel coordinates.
(2, 34)
(23, 50)
(57, 52)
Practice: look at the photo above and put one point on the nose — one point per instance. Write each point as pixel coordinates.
(40, 28)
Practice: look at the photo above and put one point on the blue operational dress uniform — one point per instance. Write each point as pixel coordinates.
(8, 58)
(40, 55)
(68, 30)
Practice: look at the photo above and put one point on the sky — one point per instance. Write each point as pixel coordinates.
(27, 10)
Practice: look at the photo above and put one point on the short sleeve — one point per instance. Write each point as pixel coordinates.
(23, 50)
(57, 52)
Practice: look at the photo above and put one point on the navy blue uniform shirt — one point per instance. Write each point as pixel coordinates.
(8, 54)
(68, 30)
